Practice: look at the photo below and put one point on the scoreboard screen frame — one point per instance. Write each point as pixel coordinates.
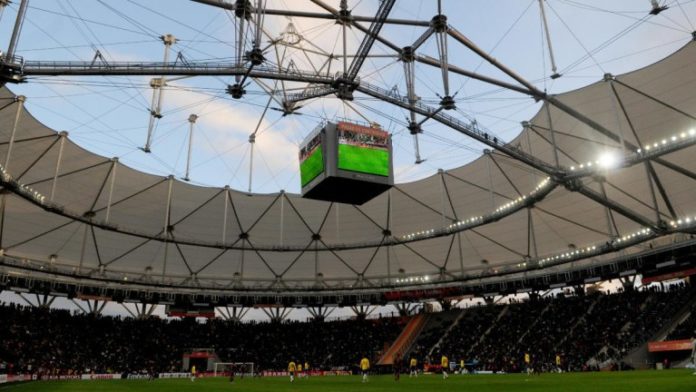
(342, 185)
(312, 150)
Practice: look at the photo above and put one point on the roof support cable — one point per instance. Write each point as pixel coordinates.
(192, 121)
(371, 36)
(439, 24)
(533, 180)
(83, 248)
(532, 250)
(488, 153)
(20, 105)
(461, 253)
(544, 21)
(252, 141)
(243, 13)
(224, 215)
(239, 275)
(167, 226)
(63, 136)
(651, 171)
(612, 228)
(413, 126)
(255, 55)
(281, 224)
(258, 28)
(114, 165)
(347, 81)
(344, 24)
(648, 177)
(157, 85)
(3, 202)
(443, 195)
(388, 232)
(21, 15)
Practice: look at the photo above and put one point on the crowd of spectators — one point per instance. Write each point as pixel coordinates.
(432, 332)
(58, 342)
(586, 330)
(658, 308)
(686, 329)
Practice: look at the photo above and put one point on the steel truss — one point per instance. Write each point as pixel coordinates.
(252, 64)
(23, 279)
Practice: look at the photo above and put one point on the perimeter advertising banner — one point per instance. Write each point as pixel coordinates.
(670, 345)
(174, 375)
(669, 276)
(270, 373)
(101, 376)
(7, 378)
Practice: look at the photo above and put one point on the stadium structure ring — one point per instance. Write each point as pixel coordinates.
(598, 184)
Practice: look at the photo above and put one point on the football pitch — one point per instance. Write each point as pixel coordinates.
(363, 159)
(638, 381)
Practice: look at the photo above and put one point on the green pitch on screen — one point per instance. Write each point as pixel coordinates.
(312, 166)
(363, 159)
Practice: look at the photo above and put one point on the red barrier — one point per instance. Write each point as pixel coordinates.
(7, 378)
(669, 276)
(670, 345)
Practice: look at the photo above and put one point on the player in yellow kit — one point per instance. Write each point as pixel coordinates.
(364, 368)
(193, 373)
(292, 367)
(444, 362)
(558, 363)
(528, 363)
(306, 369)
(413, 367)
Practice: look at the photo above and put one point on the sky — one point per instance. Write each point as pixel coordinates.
(109, 115)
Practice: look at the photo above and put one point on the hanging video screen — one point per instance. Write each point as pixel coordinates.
(311, 160)
(363, 149)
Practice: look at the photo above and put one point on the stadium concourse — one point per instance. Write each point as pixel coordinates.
(516, 184)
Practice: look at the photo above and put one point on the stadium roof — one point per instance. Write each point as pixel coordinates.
(601, 172)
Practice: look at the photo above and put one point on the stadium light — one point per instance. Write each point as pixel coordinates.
(413, 279)
(608, 160)
(672, 139)
(477, 220)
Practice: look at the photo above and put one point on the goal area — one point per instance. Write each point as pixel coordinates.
(239, 368)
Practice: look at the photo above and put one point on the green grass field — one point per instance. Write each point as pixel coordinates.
(639, 381)
(363, 159)
(312, 166)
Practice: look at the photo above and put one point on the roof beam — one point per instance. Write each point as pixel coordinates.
(648, 165)
(461, 71)
(601, 199)
(316, 15)
(369, 39)
(124, 68)
(467, 129)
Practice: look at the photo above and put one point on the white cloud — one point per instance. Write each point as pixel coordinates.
(228, 124)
